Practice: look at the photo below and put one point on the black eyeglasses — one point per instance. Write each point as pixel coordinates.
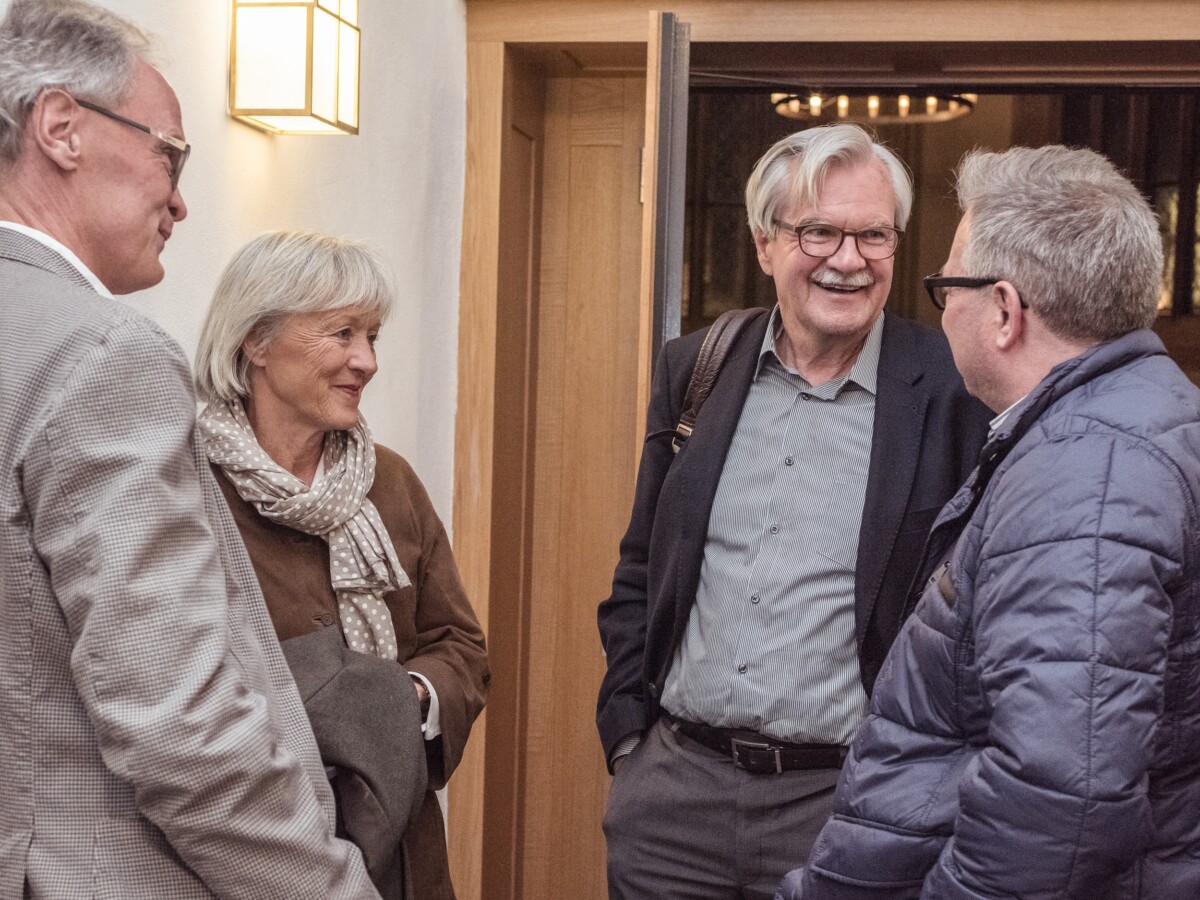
(937, 285)
(821, 241)
(177, 151)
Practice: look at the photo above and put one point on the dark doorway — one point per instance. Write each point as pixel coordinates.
(1153, 135)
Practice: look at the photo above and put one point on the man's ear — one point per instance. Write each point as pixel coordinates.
(1011, 320)
(760, 244)
(53, 127)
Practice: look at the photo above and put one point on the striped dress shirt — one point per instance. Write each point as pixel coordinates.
(769, 644)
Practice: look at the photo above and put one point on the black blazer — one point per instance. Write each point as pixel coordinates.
(927, 436)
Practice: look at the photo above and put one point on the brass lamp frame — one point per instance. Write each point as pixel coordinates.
(253, 115)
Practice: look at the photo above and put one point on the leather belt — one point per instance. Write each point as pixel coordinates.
(758, 753)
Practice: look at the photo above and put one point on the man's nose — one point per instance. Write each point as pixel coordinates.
(177, 206)
(848, 258)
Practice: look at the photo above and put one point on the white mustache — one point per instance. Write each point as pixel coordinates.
(846, 280)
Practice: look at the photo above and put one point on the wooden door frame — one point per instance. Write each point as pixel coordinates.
(492, 463)
(512, 47)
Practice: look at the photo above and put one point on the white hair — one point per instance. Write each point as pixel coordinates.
(70, 44)
(1074, 236)
(272, 278)
(794, 169)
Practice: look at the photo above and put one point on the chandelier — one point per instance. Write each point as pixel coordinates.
(820, 106)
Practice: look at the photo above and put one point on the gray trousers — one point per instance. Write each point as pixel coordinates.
(684, 823)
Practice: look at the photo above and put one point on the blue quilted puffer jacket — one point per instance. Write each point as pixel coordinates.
(1035, 731)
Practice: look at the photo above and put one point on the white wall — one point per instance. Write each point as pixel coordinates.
(397, 185)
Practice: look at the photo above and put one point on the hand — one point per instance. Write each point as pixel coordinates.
(423, 697)
(422, 693)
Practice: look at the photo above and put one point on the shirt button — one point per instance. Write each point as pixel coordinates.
(805, 396)
(774, 529)
(742, 669)
(787, 460)
(755, 598)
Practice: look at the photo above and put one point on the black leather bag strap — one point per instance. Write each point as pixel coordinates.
(717, 343)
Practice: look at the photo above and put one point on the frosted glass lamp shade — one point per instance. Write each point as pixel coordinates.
(294, 65)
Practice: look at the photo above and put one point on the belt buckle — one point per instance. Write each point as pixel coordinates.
(737, 743)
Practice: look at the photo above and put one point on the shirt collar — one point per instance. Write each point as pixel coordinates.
(996, 423)
(864, 372)
(62, 250)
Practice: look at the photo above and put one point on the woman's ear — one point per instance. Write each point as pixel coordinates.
(254, 347)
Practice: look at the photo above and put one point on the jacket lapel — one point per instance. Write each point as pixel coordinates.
(900, 407)
(703, 457)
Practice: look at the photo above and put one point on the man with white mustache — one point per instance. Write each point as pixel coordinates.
(766, 566)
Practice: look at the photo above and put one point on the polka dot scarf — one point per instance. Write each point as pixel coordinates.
(362, 561)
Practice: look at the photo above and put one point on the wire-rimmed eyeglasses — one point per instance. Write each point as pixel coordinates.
(177, 151)
(821, 240)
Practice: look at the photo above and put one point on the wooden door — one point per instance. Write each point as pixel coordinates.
(584, 440)
(570, 316)
(607, 207)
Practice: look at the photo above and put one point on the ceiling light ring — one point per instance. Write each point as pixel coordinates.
(821, 105)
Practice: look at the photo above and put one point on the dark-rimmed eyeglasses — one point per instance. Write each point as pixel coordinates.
(177, 151)
(938, 286)
(820, 240)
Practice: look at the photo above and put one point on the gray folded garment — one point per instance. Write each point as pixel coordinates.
(366, 718)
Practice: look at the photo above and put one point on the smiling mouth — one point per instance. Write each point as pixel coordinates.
(842, 288)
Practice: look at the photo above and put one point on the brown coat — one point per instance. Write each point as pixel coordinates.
(437, 633)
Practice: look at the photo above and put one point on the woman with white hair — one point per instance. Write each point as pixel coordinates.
(339, 529)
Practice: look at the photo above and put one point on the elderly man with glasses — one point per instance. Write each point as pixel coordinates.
(152, 742)
(1034, 731)
(763, 575)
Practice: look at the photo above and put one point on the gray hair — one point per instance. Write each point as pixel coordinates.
(794, 170)
(274, 277)
(1074, 236)
(70, 44)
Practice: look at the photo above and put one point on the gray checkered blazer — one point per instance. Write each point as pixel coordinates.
(152, 742)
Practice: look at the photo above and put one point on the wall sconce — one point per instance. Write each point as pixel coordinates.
(293, 65)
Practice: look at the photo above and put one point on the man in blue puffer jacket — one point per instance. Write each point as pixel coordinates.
(1035, 731)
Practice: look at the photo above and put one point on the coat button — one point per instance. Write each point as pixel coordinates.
(653, 690)
(327, 619)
